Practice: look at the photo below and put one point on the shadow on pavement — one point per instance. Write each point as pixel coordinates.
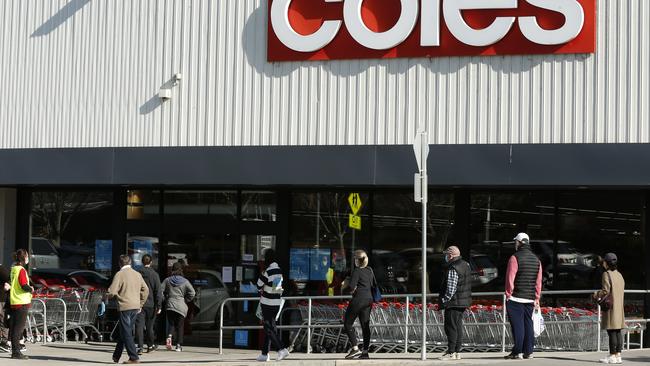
(66, 359)
(636, 359)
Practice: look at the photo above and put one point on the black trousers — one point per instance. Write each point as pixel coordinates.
(176, 324)
(270, 329)
(145, 321)
(615, 341)
(454, 329)
(17, 324)
(358, 307)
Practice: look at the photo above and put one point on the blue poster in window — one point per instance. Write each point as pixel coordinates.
(319, 264)
(103, 255)
(140, 248)
(241, 338)
(299, 264)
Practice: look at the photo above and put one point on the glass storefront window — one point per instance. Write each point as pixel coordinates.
(397, 240)
(592, 224)
(213, 203)
(258, 206)
(71, 241)
(495, 219)
(142, 204)
(322, 241)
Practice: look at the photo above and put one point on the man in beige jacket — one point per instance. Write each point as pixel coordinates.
(130, 291)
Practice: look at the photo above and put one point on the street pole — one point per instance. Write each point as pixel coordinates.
(424, 183)
(420, 194)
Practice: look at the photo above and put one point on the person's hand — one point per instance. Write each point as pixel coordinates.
(7, 287)
(536, 304)
(139, 310)
(158, 311)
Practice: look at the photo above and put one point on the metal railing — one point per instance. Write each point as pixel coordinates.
(309, 326)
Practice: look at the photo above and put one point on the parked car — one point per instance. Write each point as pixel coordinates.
(210, 293)
(484, 270)
(43, 254)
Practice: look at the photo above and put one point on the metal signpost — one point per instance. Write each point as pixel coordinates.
(421, 149)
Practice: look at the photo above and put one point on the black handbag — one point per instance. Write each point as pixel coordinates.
(607, 302)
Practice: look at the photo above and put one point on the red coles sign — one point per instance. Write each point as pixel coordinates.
(355, 29)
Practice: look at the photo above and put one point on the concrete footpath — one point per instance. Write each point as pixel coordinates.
(73, 354)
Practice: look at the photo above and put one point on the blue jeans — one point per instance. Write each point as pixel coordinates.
(521, 322)
(126, 339)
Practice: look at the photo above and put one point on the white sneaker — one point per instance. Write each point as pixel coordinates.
(263, 358)
(619, 359)
(609, 359)
(457, 356)
(282, 354)
(447, 357)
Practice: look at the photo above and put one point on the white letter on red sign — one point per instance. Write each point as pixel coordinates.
(298, 42)
(380, 40)
(430, 23)
(478, 37)
(574, 20)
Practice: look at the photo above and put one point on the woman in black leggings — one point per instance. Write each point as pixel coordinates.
(360, 306)
(613, 319)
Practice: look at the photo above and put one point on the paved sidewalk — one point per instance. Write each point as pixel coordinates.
(74, 354)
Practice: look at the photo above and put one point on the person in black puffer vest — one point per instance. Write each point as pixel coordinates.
(455, 297)
(523, 290)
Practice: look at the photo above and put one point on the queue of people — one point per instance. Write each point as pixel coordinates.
(141, 296)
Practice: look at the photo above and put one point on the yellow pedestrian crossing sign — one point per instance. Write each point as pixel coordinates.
(355, 203)
(355, 222)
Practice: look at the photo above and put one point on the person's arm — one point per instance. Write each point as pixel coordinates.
(190, 293)
(354, 280)
(157, 293)
(23, 282)
(452, 286)
(511, 272)
(144, 292)
(115, 286)
(538, 285)
(261, 281)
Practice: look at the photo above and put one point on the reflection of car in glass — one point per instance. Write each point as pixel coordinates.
(43, 254)
(210, 293)
(483, 270)
(56, 279)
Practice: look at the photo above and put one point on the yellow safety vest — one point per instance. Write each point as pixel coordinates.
(18, 296)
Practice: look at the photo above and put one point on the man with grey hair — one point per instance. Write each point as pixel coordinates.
(131, 292)
(455, 297)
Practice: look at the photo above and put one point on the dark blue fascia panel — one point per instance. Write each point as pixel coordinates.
(617, 165)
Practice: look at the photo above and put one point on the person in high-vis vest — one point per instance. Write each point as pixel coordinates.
(20, 300)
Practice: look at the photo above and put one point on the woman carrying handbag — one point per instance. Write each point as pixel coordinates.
(611, 301)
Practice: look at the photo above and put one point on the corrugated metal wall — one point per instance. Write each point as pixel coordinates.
(85, 73)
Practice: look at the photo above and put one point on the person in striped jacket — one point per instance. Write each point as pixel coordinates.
(269, 284)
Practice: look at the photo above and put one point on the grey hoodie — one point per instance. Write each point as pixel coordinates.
(178, 292)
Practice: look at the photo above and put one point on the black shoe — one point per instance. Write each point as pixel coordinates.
(353, 354)
(5, 348)
(364, 355)
(528, 356)
(152, 349)
(514, 356)
(19, 356)
(140, 351)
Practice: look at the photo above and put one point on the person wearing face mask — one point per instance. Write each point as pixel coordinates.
(455, 297)
(20, 299)
(523, 290)
(361, 282)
